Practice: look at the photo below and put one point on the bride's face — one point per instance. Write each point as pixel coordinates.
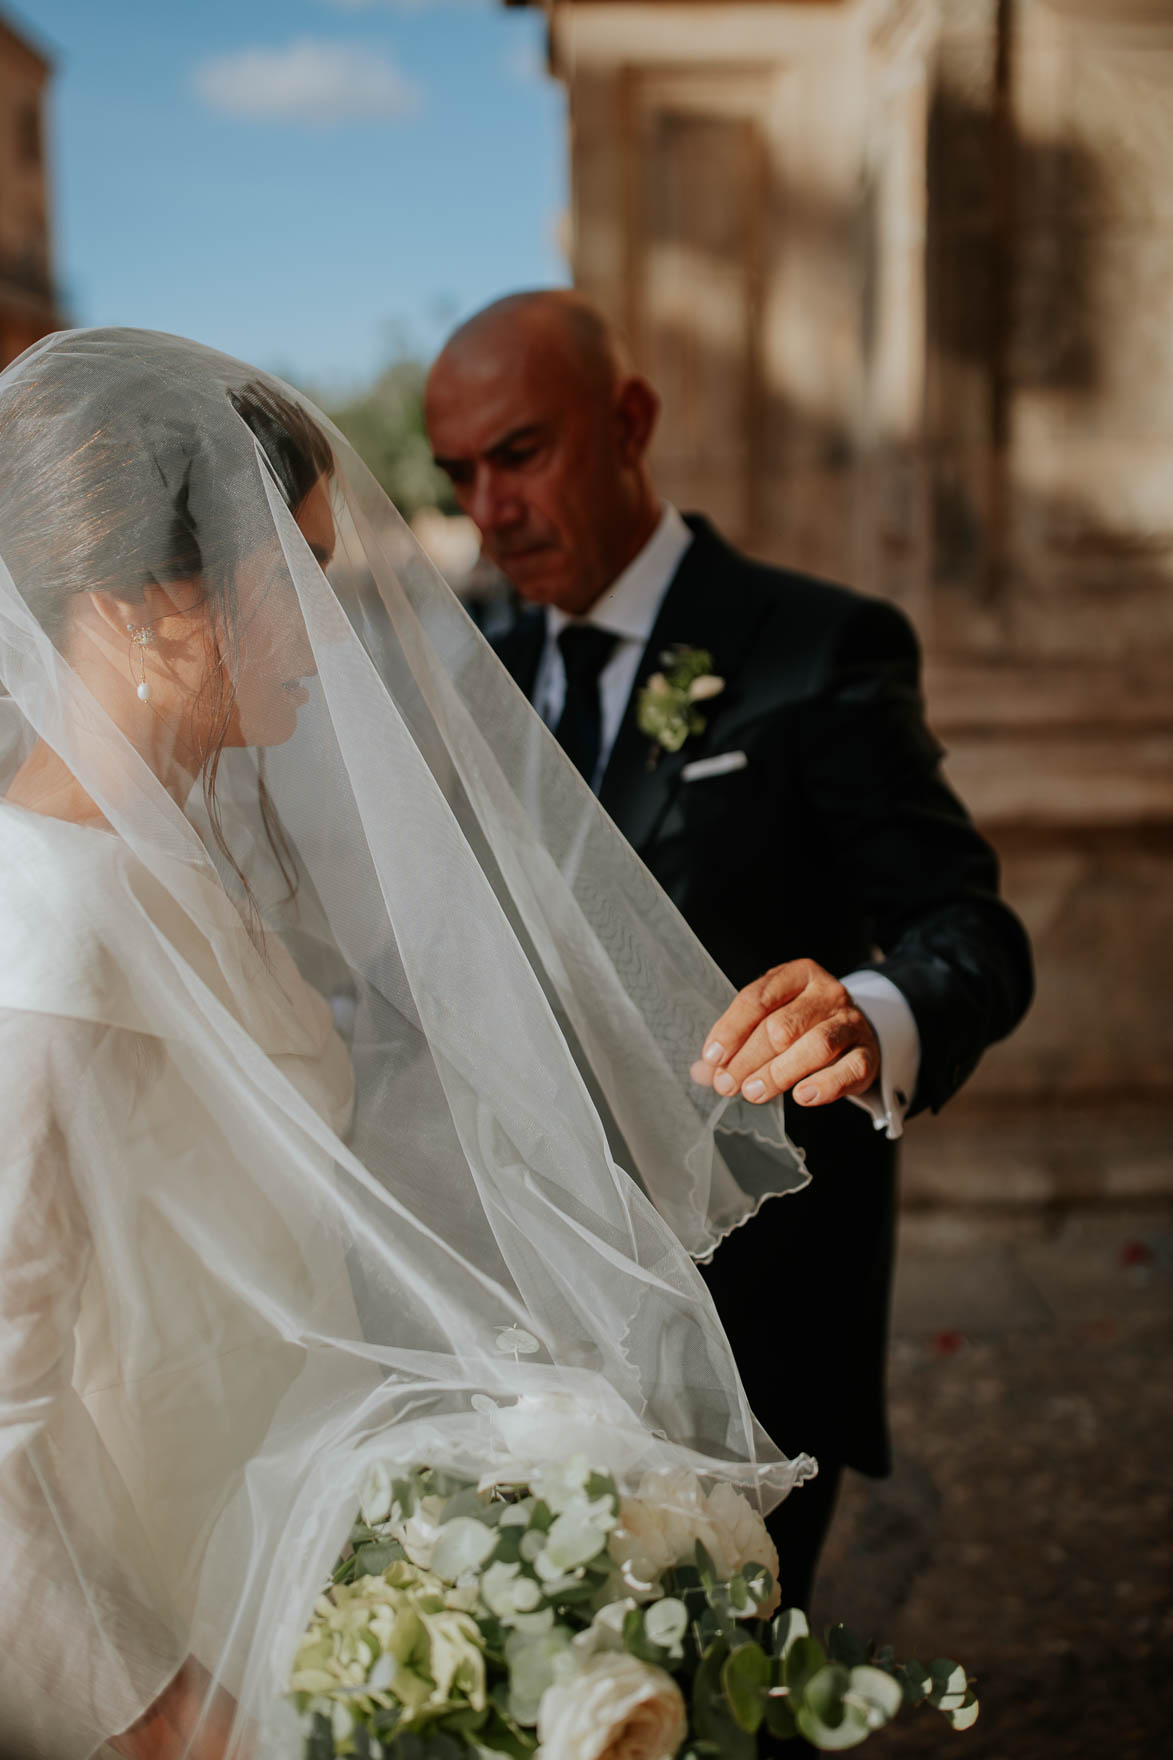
(272, 650)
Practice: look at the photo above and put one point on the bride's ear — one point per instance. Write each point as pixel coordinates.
(118, 613)
(155, 603)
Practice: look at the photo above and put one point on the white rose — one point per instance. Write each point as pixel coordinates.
(660, 1526)
(741, 1537)
(614, 1708)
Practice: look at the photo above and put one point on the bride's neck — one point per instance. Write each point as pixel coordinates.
(45, 784)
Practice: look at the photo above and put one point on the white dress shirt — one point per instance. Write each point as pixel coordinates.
(629, 609)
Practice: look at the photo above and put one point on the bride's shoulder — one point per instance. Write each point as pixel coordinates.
(58, 887)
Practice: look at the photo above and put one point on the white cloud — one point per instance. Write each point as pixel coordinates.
(309, 81)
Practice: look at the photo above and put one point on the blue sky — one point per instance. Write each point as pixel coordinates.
(296, 181)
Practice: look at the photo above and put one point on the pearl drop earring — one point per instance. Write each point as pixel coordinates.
(143, 637)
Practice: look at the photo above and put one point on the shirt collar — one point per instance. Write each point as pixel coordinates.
(629, 606)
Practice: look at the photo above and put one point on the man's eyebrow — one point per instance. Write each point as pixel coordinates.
(515, 437)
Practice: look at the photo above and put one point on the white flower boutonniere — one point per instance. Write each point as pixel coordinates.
(667, 708)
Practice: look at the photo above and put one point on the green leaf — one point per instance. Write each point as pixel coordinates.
(706, 1569)
(966, 1714)
(949, 1681)
(780, 1719)
(803, 1662)
(786, 1626)
(877, 1693)
(372, 1560)
(711, 1716)
(847, 1647)
(915, 1681)
(745, 1678)
(824, 1717)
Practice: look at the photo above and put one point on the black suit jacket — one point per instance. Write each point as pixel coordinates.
(838, 841)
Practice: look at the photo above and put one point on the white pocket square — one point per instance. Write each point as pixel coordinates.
(721, 765)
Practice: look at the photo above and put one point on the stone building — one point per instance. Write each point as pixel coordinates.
(903, 271)
(28, 303)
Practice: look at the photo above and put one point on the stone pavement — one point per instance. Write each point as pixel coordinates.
(1027, 1530)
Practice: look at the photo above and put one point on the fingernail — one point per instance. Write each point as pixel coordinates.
(723, 1082)
(714, 1052)
(754, 1090)
(806, 1094)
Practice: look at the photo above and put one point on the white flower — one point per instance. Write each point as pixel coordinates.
(708, 685)
(605, 1631)
(666, 1623)
(742, 1537)
(576, 1536)
(535, 1661)
(658, 685)
(375, 1501)
(660, 1526)
(612, 1708)
(461, 1545)
(507, 1593)
(418, 1532)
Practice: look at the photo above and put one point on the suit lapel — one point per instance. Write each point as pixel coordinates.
(696, 612)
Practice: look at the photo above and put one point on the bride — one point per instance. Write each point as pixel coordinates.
(344, 1059)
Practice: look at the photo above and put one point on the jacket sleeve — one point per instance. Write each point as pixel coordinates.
(85, 1641)
(894, 828)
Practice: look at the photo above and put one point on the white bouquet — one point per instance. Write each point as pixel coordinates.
(558, 1618)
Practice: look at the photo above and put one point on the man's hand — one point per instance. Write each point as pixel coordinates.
(795, 1028)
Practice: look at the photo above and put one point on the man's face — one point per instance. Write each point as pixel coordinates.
(541, 460)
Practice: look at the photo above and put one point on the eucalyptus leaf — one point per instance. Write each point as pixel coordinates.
(745, 1678)
(785, 1627)
(915, 1681)
(372, 1560)
(706, 1569)
(823, 1714)
(965, 1716)
(877, 1693)
(804, 1660)
(948, 1679)
(845, 1646)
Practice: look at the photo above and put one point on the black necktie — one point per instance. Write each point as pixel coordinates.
(585, 651)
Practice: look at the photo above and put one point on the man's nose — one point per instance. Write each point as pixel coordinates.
(494, 506)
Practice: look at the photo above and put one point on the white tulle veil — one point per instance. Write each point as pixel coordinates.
(255, 1238)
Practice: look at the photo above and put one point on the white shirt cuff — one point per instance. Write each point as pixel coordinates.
(892, 1021)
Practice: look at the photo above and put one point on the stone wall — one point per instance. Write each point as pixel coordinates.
(28, 308)
(903, 270)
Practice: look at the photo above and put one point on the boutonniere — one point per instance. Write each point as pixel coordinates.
(667, 710)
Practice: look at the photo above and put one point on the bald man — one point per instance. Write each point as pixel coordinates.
(803, 830)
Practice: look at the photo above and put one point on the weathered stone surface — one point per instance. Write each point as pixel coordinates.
(904, 269)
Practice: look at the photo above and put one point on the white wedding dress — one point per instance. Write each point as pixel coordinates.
(80, 1385)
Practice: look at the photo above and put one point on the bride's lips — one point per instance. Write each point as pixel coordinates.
(294, 688)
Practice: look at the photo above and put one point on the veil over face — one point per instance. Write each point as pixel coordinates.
(344, 1050)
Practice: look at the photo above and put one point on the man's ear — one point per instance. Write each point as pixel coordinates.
(636, 408)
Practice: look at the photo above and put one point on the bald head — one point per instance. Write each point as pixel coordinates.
(555, 321)
(534, 411)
